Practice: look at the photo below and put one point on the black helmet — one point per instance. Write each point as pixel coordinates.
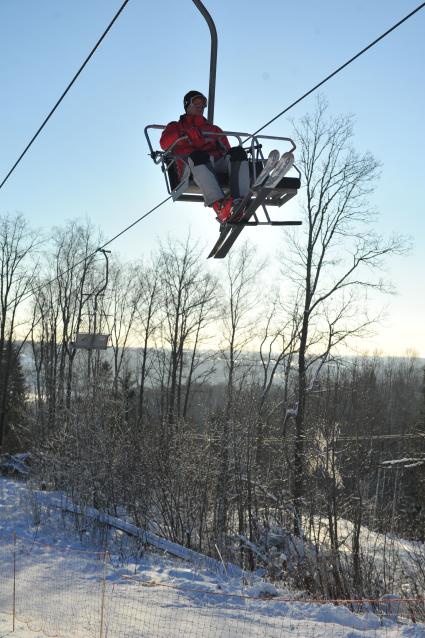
(188, 97)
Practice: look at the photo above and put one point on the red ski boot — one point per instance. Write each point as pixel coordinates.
(223, 209)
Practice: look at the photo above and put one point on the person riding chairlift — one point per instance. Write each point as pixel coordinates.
(208, 155)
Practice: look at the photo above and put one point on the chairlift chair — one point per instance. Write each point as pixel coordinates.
(181, 186)
(93, 339)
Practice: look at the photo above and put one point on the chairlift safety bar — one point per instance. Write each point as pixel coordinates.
(238, 134)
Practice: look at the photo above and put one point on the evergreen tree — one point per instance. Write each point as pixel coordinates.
(12, 397)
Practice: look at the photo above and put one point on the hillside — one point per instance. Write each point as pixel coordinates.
(64, 586)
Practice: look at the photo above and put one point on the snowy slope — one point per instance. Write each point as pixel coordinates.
(64, 587)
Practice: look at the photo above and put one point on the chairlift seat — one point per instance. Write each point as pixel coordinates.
(287, 185)
(91, 341)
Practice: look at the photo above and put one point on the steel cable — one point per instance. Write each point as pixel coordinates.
(343, 66)
(86, 61)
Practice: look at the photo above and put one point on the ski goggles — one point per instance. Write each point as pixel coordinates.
(199, 100)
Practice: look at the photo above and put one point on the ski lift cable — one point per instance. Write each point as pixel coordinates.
(33, 291)
(340, 68)
(86, 61)
(125, 230)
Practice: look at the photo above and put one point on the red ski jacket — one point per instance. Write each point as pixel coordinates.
(214, 145)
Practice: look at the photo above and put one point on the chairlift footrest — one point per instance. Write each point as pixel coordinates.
(270, 223)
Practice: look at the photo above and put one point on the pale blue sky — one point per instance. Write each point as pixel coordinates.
(92, 158)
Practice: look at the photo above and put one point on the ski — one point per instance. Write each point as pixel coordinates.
(273, 172)
(224, 244)
(231, 223)
(279, 170)
(271, 162)
(224, 231)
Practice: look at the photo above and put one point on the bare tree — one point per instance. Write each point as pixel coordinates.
(147, 319)
(188, 295)
(332, 264)
(238, 318)
(44, 340)
(238, 311)
(123, 298)
(279, 340)
(76, 278)
(60, 310)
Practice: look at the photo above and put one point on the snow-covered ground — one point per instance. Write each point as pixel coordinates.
(64, 587)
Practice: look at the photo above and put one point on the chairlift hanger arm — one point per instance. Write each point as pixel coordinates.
(213, 57)
(105, 254)
(93, 339)
(97, 293)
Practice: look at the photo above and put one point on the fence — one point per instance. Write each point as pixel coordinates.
(70, 593)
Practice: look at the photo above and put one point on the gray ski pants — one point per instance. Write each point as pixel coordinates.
(204, 169)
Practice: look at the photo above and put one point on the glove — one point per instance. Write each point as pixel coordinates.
(195, 136)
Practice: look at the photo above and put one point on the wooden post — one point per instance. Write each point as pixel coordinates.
(102, 603)
(14, 582)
